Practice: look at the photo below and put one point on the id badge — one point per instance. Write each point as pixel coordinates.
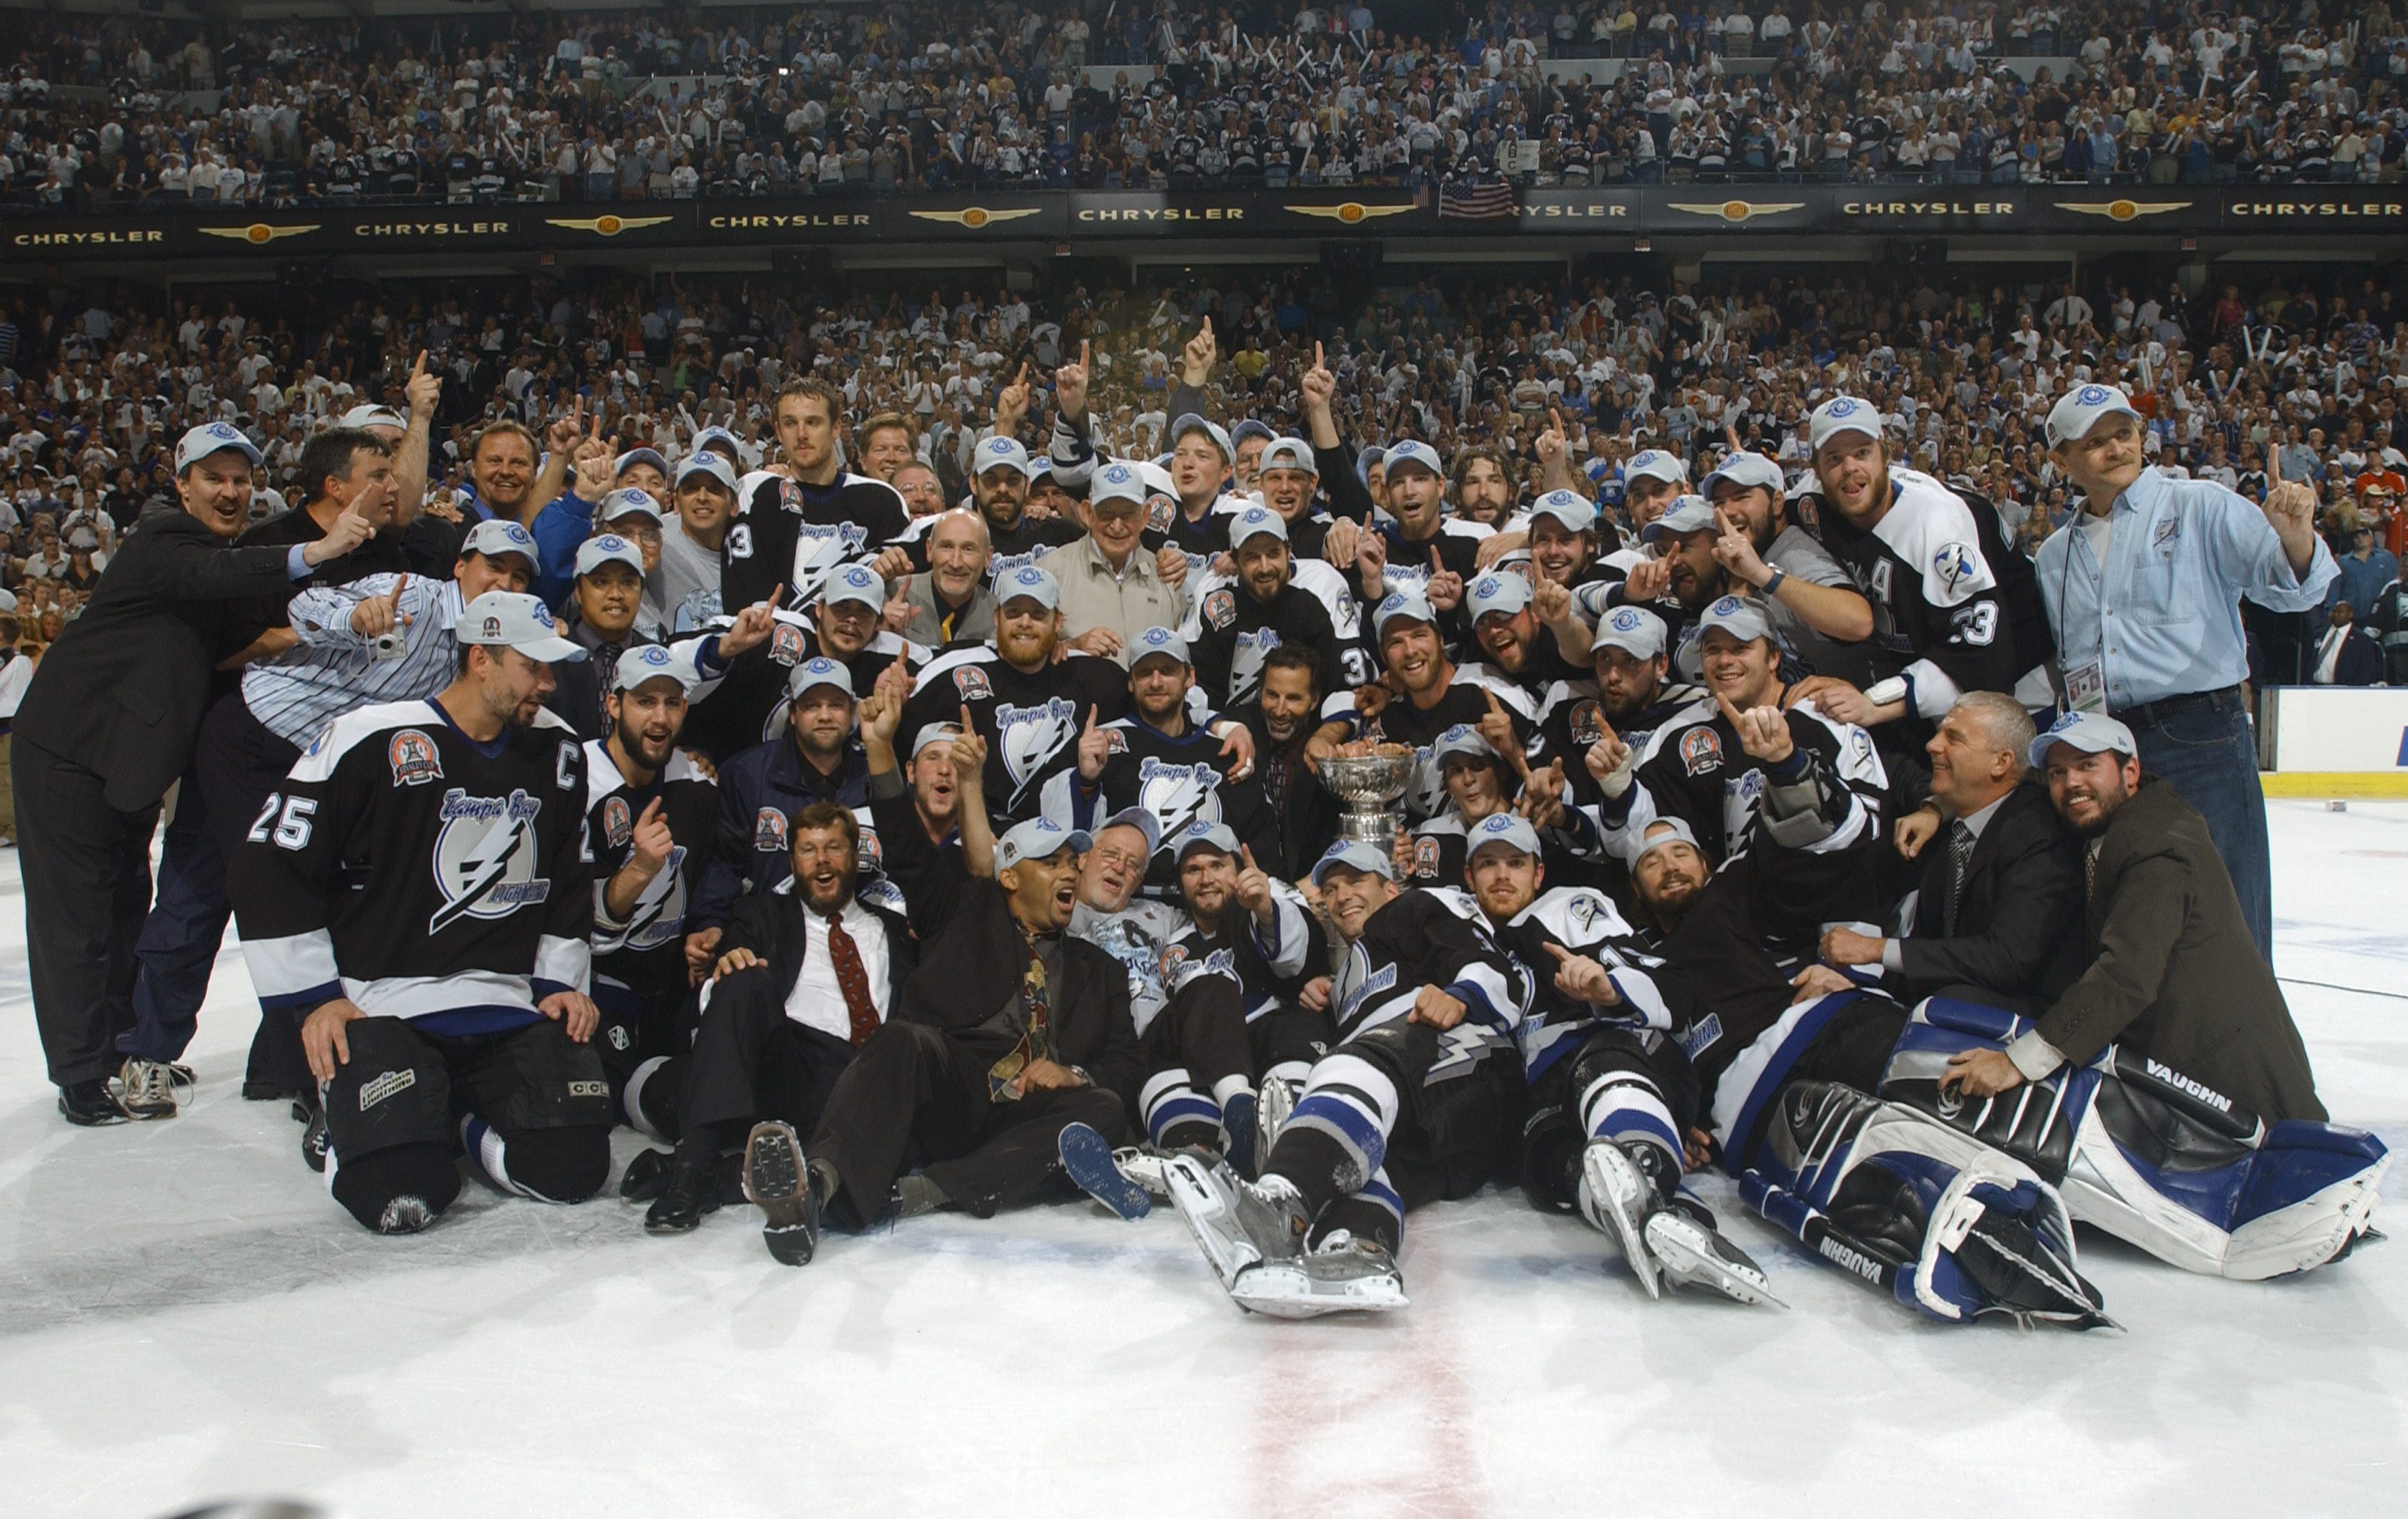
(2086, 688)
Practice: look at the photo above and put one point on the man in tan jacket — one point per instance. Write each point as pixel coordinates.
(1113, 586)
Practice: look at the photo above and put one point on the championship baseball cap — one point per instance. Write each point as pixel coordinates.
(1499, 591)
(1634, 630)
(1038, 838)
(1157, 640)
(1687, 515)
(652, 662)
(1252, 427)
(373, 415)
(720, 438)
(514, 619)
(1462, 738)
(498, 535)
(2093, 733)
(934, 733)
(608, 549)
(212, 437)
(1842, 414)
(639, 456)
(1207, 835)
(1138, 818)
(1411, 603)
(1003, 453)
(855, 583)
(632, 502)
(1658, 832)
(713, 465)
(1117, 481)
(1189, 422)
(2079, 409)
(1038, 585)
(1569, 507)
(818, 671)
(1253, 522)
(1741, 617)
(1510, 830)
(1288, 454)
(1656, 463)
(1353, 854)
(1747, 469)
(1411, 451)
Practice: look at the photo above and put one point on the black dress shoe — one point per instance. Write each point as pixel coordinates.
(89, 1104)
(646, 1175)
(690, 1192)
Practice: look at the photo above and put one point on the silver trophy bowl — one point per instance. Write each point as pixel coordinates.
(1369, 786)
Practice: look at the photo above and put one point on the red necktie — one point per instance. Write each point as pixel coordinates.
(845, 955)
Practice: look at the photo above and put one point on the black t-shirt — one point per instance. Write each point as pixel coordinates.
(245, 621)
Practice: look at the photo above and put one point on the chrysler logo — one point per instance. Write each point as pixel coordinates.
(975, 217)
(1737, 211)
(605, 226)
(258, 233)
(2122, 211)
(1347, 212)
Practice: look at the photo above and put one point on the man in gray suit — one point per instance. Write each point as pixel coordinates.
(951, 600)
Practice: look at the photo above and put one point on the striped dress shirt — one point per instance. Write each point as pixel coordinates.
(331, 670)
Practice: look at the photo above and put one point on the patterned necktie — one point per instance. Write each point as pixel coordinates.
(1960, 850)
(1035, 1044)
(853, 978)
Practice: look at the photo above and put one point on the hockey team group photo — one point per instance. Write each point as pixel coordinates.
(1319, 833)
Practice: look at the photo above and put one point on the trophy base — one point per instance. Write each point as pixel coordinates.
(1379, 829)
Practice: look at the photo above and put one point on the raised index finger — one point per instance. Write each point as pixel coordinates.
(1246, 852)
(1316, 357)
(1083, 355)
(2274, 468)
(1729, 713)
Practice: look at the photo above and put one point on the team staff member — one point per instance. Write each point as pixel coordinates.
(107, 726)
(2142, 588)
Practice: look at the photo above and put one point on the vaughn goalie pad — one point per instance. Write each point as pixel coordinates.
(1949, 1226)
(2153, 1156)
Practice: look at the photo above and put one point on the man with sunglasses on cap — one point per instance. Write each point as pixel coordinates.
(2143, 589)
(445, 1001)
(108, 724)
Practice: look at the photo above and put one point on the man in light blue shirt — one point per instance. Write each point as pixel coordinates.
(2142, 588)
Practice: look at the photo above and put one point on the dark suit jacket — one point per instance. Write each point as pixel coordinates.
(123, 691)
(2018, 915)
(973, 958)
(977, 621)
(774, 924)
(1309, 819)
(2174, 974)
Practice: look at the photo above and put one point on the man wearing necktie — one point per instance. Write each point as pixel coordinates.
(1997, 915)
(806, 974)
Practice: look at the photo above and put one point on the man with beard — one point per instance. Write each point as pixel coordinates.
(651, 818)
(1681, 579)
(999, 472)
(1478, 786)
(1483, 493)
(1651, 479)
(1281, 720)
(502, 464)
(950, 601)
(1009, 1034)
(1030, 706)
(1807, 595)
(845, 626)
(1562, 537)
(795, 528)
(1632, 696)
(1507, 628)
(446, 996)
(1236, 626)
(1164, 760)
(1423, 550)
(807, 973)
(1418, 1100)
(1435, 696)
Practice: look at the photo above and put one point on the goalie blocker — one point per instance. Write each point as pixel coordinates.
(2153, 1156)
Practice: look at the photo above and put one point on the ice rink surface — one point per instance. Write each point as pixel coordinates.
(184, 1314)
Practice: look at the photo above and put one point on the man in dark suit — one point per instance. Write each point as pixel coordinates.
(1286, 709)
(1010, 1031)
(807, 973)
(2174, 975)
(1995, 915)
(2347, 654)
(107, 726)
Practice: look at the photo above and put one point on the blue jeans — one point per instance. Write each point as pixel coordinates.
(180, 935)
(2209, 754)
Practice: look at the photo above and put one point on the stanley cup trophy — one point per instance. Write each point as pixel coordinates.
(1370, 785)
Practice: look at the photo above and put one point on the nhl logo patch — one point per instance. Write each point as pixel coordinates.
(769, 831)
(786, 644)
(414, 758)
(1221, 607)
(971, 682)
(1588, 724)
(618, 827)
(1702, 750)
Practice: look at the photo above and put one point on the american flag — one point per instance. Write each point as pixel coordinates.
(1485, 199)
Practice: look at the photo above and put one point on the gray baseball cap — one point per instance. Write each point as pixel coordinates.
(1634, 630)
(818, 671)
(1636, 847)
(1157, 640)
(1353, 854)
(1038, 838)
(1254, 522)
(515, 620)
(2093, 733)
(2079, 409)
(1741, 617)
(1687, 515)
(1747, 469)
(1207, 835)
(1842, 414)
(854, 582)
(1038, 585)
(608, 549)
(1510, 830)
(498, 535)
(654, 662)
(212, 437)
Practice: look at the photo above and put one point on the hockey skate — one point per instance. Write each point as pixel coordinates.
(1143, 1164)
(1674, 1243)
(1341, 1276)
(1271, 1108)
(1089, 1159)
(1254, 1237)
(1616, 1197)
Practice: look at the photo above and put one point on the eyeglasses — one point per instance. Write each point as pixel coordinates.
(1120, 857)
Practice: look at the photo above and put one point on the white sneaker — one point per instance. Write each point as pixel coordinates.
(151, 1088)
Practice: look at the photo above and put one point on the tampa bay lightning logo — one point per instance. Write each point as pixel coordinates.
(659, 915)
(1031, 736)
(224, 432)
(485, 857)
(1643, 458)
(1843, 406)
(2090, 395)
(1179, 796)
(1118, 477)
(1955, 564)
(819, 550)
(1000, 448)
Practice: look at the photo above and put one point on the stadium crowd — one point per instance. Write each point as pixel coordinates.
(107, 111)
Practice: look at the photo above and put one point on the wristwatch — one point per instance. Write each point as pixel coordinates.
(1772, 581)
(1081, 1072)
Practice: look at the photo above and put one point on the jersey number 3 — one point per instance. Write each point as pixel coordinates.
(1975, 626)
(286, 820)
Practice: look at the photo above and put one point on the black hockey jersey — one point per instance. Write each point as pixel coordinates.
(645, 950)
(1010, 547)
(1031, 723)
(1271, 965)
(1429, 938)
(1182, 781)
(786, 532)
(1586, 922)
(1464, 700)
(421, 874)
(1235, 631)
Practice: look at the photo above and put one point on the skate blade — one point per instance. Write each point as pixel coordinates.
(1144, 1166)
(1689, 1257)
(1201, 1203)
(1285, 1290)
(1616, 1188)
(1272, 1105)
(1087, 1155)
